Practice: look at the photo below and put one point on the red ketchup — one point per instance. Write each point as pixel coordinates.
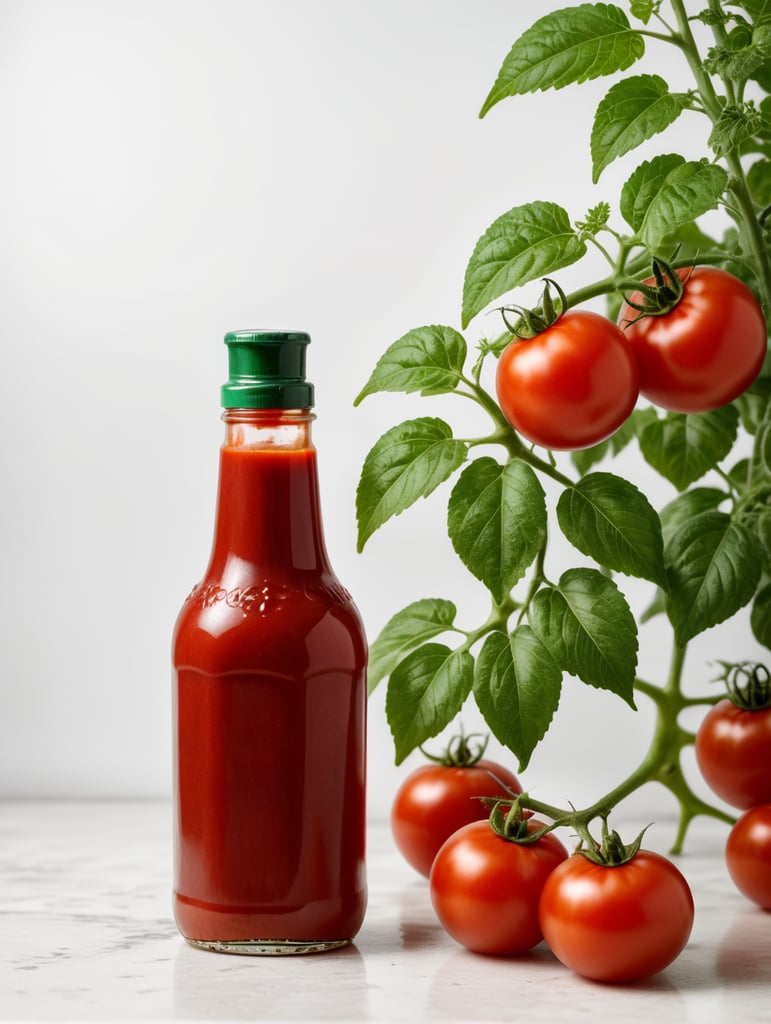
(269, 689)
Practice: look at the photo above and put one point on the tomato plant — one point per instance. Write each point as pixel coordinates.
(570, 386)
(748, 854)
(616, 922)
(688, 236)
(733, 742)
(436, 799)
(706, 349)
(485, 887)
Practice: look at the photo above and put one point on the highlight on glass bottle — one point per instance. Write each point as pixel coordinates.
(269, 689)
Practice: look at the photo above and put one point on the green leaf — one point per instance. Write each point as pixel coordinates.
(667, 192)
(567, 46)
(412, 626)
(497, 522)
(425, 692)
(645, 183)
(517, 687)
(738, 474)
(584, 458)
(683, 447)
(643, 9)
(761, 448)
(609, 519)
(744, 56)
(714, 570)
(528, 242)
(428, 359)
(633, 110)
(758, 10)
(686, 506)
(759, 181)
(733, 126)
(689, 241)
(408, 462)
(587, 625)
(760, 524)
(760, 616)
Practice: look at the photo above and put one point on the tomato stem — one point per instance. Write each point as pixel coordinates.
(749, 225)
(661, 763)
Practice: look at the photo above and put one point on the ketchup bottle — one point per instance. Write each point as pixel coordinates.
(269, 694)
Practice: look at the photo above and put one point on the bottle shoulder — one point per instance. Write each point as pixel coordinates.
(267, 619)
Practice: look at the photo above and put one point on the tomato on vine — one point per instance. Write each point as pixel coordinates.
(616, 921)
(437, 799)
(733, 742)
(570, 382)
(748, 855)
(485, 884)
(699, 337)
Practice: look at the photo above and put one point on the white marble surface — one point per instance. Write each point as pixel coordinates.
(86, 935)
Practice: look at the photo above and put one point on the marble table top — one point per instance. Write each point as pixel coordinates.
(86, 934)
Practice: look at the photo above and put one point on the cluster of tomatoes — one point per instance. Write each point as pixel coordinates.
(733, 752)
(499, 886)
(694, 340)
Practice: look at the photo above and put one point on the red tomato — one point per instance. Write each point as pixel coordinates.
(485, 889)
(748, 855)
(570, 386)
(733, 751)
(619, 923)
(435, 800)
(707, 350)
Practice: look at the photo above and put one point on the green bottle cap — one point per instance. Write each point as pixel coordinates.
(267, 370)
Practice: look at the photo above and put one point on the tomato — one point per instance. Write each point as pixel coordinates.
(435, 800)
(733, 751)
(485, 888)
(748, 854)
(707, 350)
(570, 386)
(616, 923)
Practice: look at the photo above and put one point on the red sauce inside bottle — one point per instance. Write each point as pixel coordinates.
(269, 717)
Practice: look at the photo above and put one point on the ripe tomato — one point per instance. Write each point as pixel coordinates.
(485, 889)
(436, 800)
(748, 855)
(733, 751)
(707, 350)
(616, 923)
(570, 386)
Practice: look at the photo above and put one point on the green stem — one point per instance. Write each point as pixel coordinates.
(749, 226)
(660, 764)
(721, 37)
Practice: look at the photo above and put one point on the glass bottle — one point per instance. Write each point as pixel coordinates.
(269, 694)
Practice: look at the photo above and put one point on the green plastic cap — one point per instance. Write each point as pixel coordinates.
(267, 370)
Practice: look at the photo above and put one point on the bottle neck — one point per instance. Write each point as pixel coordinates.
(268, 510)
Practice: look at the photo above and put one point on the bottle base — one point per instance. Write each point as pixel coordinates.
(267, 947)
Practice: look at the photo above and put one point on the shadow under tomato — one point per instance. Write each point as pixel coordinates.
(419, 927)
(744, 954)
(470, 987)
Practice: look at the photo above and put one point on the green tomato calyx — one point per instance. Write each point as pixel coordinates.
(508, 822)
(612, 852)
(661, 296)
(461, 752)
(532, 322)
(748, 684)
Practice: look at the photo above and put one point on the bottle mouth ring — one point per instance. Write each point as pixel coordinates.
(267, 336)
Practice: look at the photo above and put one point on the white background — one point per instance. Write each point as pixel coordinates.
(174, 170)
